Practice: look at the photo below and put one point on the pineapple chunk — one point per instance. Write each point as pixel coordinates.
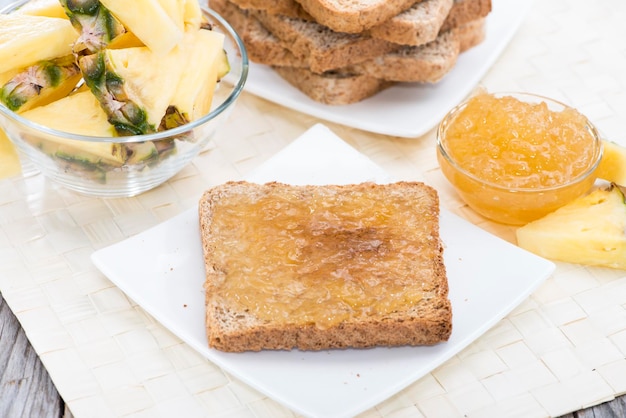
(61, 115)
(48, 8)
(25, 40)
(192, 14)
(125, 40)
(590, 230)
(9, 161)
(186, 14)
(40, 84)
(135, 86)
(148, 21)
(5, 77)
(612, 167)
(195, 89)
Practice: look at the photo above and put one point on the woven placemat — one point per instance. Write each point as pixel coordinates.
(562, 349)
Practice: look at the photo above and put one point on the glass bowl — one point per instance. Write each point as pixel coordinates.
(497, 197)
(129, 179)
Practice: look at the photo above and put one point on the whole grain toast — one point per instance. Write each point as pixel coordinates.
(333, 87)
(322, 267)
(324, 48)
(417, 25)
(465, 11)
(354, 16)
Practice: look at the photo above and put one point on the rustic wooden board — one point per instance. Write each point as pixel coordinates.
(26, 389)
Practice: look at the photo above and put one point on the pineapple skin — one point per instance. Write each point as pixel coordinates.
(590, 230)
(96, 25)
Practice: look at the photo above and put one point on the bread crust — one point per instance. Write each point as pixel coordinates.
(425, 322)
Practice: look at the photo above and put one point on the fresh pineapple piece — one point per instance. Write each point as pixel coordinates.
(135, 86)
(40, 84)
(186, 14)
(88, 156)
(95, 24)
(612, 167)
(192, 14)
(148, 21)
(195, 89)
(62, 116)
(48, 8)
(125, 40)
(9, 160)
(5, 77)
(590, 230)
(25, 40)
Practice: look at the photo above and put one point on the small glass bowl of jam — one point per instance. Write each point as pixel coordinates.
(515, 157)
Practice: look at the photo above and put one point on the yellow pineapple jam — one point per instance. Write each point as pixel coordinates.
(514, 158)
(326, 261)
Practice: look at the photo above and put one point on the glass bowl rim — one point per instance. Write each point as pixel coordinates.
(597, 141)
(232, 97)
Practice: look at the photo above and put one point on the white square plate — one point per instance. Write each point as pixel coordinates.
(162, 270)
(408, 109)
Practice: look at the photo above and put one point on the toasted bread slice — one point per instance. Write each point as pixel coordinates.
(470, 34)
(465, 11)
(354, 16)
(427, 63)
(324, 48)
(418, 25)
(415, 26)
(333, 87)
(321, 267)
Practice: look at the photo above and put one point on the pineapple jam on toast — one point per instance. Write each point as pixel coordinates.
(319, 267)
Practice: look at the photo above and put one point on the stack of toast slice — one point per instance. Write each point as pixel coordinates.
(339, 52)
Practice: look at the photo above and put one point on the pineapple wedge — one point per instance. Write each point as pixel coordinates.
(95, 24)
(40, 84)
(192, 14)
(133, 85)
(25, 40)
(195, 89)
(48, 8)
(148, 21)
(61, 115)
(612, 167)
(590, 230)
(186, 14)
